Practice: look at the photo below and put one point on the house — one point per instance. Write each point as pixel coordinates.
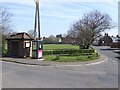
(105, 41)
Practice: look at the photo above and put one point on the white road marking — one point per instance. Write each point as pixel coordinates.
(90, 63)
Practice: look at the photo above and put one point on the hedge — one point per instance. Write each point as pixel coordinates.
(68, 52)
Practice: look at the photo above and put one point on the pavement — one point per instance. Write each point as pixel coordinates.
(29, 61)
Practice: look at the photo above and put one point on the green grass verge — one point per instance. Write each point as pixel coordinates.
(81, 58)
(62, 58)
(60, 47)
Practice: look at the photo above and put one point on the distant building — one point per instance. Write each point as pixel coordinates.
(105, 41)
(45, 40)
(52, 40)
(59, 37)
(69, 40)
(116, 42)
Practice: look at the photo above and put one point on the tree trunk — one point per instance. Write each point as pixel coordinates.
(87, 46)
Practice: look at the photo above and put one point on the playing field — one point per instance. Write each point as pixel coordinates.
(59, 47)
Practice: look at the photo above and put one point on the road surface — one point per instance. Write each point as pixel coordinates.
(103, 75)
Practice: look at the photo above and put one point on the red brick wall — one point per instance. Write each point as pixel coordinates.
(115, 45)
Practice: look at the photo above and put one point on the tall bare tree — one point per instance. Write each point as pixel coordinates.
(31, 33)
(5, 26)
(86, 30)
(5, 21)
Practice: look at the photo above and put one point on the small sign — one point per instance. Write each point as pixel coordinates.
(39, 53)
(27, 44)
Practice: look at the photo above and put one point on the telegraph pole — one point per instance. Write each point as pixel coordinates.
(37, 44)
(37, 21)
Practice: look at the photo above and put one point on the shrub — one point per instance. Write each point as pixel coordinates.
(80, 58)
(56, 58)
(90, 56)
(68, 52)
(96, 54)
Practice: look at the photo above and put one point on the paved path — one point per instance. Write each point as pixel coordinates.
(102, 75)
(49, 63)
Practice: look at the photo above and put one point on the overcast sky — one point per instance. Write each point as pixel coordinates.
(57, 15)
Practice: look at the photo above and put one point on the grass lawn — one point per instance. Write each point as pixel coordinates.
(59, 47)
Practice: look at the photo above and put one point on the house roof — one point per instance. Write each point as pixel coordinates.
(116, 39)
(106, 38)
(19, 36)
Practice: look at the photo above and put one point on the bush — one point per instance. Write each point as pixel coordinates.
(4, 47)
(80, 58)
(90, 56)
(56, 58)
(96, 54)
(68, 52)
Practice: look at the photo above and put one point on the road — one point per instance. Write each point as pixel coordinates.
(109, 52)
(103, 75)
